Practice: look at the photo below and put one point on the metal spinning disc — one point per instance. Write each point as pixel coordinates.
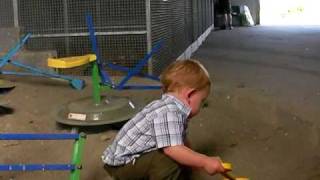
(5, 86)
(83, 112)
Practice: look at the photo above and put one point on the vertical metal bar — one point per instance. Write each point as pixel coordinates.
(66, 25)
(98, 14)
(76, 157)
(15, 13)
(211, 12)
(194, 20)
(149, 36)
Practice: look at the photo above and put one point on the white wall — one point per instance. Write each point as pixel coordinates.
(254, 6)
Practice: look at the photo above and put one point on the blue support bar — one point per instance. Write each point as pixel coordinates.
(104, 75)
(139, 66)
(126, 69)
(141, 87)
(37, 167)
(14, 50)
(38, 136)
(20, 73)
(74, 82)
(41, 71)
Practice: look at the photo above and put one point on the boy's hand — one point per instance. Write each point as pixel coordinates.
(213, 165)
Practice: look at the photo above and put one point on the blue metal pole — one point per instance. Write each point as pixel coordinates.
(104, 75)
(139, 66)
(141, 87)
(14, 50)
(126, 69)
(38, 136)
(37, 167)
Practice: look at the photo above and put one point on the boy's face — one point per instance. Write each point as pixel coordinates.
(196, 100)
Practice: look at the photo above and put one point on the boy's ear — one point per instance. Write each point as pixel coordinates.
(190, 92)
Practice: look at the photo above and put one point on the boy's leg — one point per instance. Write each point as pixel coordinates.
(152, 166)
(163, 167)
(126, 172)
(131, 171)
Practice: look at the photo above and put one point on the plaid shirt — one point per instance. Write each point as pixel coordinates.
(160, 124)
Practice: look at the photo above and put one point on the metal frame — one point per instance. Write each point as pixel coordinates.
(149, 35)
(101, 78)
(75, 166)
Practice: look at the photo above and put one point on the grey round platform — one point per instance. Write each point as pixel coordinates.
(5, 86)
(84, 112)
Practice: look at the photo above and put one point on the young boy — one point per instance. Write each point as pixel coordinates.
(152, 144)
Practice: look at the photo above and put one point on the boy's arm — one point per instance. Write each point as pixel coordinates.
(188, 157)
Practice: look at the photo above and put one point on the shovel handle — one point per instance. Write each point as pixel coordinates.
(228, 176)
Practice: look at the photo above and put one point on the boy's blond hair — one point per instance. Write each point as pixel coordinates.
(184, 73)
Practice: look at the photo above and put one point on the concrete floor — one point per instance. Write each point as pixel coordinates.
(271, 78)
(263, 113)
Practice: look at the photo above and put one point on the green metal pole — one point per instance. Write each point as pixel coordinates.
(95, 84)
(76, 157)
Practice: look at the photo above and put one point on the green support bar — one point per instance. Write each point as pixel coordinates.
(76, 156)
(95, 84)
(97, 87)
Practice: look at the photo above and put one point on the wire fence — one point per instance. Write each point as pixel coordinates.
(6, 13)
(126, 29)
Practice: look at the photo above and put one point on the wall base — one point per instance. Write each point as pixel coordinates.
(195, 45)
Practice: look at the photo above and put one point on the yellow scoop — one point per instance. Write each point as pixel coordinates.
(228, 175)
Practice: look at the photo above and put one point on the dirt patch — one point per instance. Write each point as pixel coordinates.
(263, 137)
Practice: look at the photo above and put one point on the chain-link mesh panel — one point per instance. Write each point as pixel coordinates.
(120, 25)
(109, 15)
(203, 16)
(6, 13)
(125, 50)
(41, 16)
(179, 23)
(61, 25)
(68, 16)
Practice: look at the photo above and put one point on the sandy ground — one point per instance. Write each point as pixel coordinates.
(263, 114)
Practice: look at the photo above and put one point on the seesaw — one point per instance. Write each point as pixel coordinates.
(31, 70)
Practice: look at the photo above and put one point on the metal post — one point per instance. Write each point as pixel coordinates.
(15, 13)
(76, 157)
(66, 25)
(195, 20)
(149, 36)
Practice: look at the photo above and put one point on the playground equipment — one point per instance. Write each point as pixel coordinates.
(33, 71)
(74, 167)
(5, 87)
(102, 110)
(228, 176)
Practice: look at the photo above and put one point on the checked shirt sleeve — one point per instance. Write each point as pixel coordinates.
(169, 129)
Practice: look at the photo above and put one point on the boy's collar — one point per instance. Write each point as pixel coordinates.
(184, 107)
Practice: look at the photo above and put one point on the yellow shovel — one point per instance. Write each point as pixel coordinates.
(228, 176)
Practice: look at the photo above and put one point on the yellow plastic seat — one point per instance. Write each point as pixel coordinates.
(70, 62)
